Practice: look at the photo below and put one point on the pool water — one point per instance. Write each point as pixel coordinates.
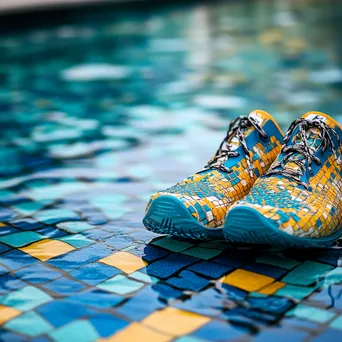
(110, 106)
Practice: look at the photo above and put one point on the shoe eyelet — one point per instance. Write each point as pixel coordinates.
(265, 139)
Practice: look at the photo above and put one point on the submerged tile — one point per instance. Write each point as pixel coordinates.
(121, 285)
(30, 324)
(307, 273)
(80, 331)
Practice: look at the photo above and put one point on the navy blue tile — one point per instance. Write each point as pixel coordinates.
(106, 324)
(97, 299)
(95, 273)
(7, 230)
(141, 305)
(188, 280)
(218, 331)
(9, 283)
(16, 259)
(37, 273)
(170, 265)
(152, 253)
(81, 257)
(27, 224)
(273, 304)
(166, 292)
(64, 286)
(210, 269)
(3, 270)
(234, 293)
(3, 248)
(60, 312)
(235, 257)
(267, 270)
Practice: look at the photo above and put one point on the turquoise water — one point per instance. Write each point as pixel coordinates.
(97, 115)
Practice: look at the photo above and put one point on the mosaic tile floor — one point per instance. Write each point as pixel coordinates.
(98, 115)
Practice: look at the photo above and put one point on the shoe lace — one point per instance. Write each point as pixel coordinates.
(224, 152)
(304, 149)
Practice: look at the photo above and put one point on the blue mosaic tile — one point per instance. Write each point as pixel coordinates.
(81, 257)
(274, 305)
(281, 336)
(169, 266)
(16, 259)
(51, 232)
(3, 270)
(141, 305)
(210, 269)
(27, 224)
(166, 292)
(64, 286)
(329, 335)
(9, 283)
(61, 312)
(208, 303)
(80, 330)
(76, 240)
(151, 253)
(25, 299)
(121, 285)
(51, 216)
(7, 230)
(188, 280)
(75, 226)
(7, 336)
(95, 273)
(247, 316)
(3, 248)
(37, 273)
(30, 324)
(219, 331)
(267, 270)
(106, 324)
(96, 298)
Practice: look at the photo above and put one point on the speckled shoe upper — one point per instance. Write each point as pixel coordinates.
(250, 147)
(302, 191)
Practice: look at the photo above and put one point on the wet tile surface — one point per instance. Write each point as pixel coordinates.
(98, 115)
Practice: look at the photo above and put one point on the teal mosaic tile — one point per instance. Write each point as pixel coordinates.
(311, 313)
(333, 277)
(30, 324)
(21, 239)
(79, 330)
(297, 292)
(307, 273)
(337, 323)
(75, 226)
(55, 215)
(121, 285)
(203, 253)
(278, 260)
(172, 244)
(25, 299)
(76, 240)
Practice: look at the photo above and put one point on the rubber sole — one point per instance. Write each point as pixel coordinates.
(167, 215)
(246, 225)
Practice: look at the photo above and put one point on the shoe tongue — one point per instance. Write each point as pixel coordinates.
(260, 116)
(322, 117)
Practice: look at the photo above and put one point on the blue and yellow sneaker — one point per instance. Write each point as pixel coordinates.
(298, 202)
(196, 207)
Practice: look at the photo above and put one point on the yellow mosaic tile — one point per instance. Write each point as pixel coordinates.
(7, 313)
(273, 288)
(248, 281)
(175, 322)
(47, 249)
(125, 261)
(2, 224)
(137, 332)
